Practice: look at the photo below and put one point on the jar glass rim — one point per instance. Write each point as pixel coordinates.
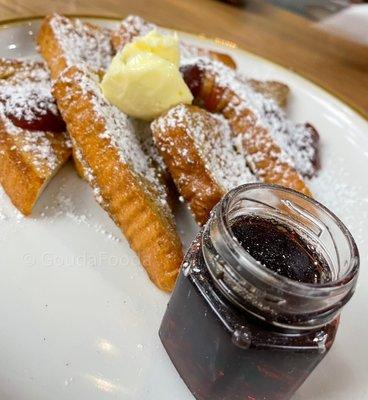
(288, 285)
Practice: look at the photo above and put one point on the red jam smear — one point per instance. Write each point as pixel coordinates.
(33, 110)
(48, 122)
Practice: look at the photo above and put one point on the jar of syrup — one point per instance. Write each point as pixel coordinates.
(256, 305)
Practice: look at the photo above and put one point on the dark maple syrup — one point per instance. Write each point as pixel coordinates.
(280, 249)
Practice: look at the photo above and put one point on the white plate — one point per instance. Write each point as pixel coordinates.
(79, 315)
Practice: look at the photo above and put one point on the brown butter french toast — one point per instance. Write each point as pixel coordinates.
(199, 151)
(122, 175)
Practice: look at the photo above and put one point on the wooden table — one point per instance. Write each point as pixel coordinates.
(338, 65)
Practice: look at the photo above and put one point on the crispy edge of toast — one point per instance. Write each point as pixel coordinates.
(275, 90)
(50, 48)
(186, 165)
(19, 179)
(151, 234)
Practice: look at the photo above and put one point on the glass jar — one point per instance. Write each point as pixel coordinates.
(236, 329)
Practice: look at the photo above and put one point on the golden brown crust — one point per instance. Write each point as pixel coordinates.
(50, 48)
(23, 174)
(187, 166)
(224, 58)
(22, 182)
(19, 180)
(78, 167)
(148, 229)
(273, 89)
(64, 42)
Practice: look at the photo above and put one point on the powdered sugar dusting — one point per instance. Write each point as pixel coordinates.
(131, 27)
(231, 170)
(25, 93)
(64, 206)
(119, 132)
(88, 174)
(333, 187)
(295, 141)
(9, 215)
(214, 141)
(82, 42)
(38, 144)
(189, 51)
(143, 131)
(28, 95)
(25, 89)
(63, 202)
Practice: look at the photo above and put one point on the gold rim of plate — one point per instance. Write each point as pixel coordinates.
(225, 43)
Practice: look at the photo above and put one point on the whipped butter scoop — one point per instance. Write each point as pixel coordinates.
(143, 80)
